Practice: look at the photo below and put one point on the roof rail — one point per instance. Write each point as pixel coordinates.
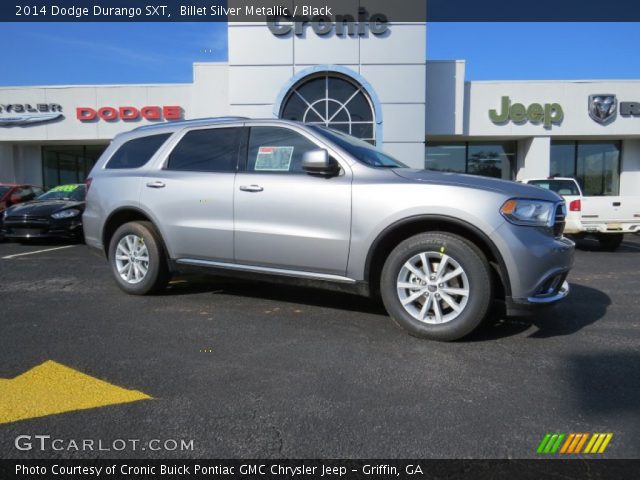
(194, 121)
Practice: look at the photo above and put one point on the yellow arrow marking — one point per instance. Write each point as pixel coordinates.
(52, 388)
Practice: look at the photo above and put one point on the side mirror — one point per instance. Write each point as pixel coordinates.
(318, 162)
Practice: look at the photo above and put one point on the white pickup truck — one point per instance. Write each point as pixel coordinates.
(606, 218)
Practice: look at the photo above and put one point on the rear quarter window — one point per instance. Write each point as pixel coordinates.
(137, 152)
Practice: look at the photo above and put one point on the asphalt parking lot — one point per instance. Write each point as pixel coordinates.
(256, 370)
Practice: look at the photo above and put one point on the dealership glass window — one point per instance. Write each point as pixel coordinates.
(490, 159)
(334, 101)
(595, 164)
(494, 159)
(209, 150)
(63, 164)
(563, 159)
(446, 157)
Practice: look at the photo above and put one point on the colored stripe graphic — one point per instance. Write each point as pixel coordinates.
(598, 443)
(565, 447)
(551, 443)
(543, 443)
(581, 442)
(573, 443)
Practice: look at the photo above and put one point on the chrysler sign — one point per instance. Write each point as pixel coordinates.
(25, 114)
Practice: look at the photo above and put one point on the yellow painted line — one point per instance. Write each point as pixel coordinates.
(567, 443)
(606, 442)
(591, 442)
(52, 388)
(37, 251)
(596, 445)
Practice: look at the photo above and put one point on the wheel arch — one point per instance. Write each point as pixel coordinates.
(399, 231)
(121, 216)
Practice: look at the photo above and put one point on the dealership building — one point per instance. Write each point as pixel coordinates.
(371, 82)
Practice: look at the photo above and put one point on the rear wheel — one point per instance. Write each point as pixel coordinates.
(610, 242)
(436, 286)
(137, 258)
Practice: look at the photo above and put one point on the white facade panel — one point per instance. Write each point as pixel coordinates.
(256, 85)
(399, 84)
(403, 122)
(209, 96)
(444, 97)
(312, 49)
(533, 158)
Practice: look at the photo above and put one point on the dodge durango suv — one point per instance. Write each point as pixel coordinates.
(282, 200)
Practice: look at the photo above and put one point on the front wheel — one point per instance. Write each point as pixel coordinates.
(137, 259)
(436, 286)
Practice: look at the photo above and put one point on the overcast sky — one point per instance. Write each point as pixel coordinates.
(94, 53)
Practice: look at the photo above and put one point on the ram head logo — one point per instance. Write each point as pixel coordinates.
(603, 108)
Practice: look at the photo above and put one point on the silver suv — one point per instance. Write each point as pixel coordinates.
(283, 200)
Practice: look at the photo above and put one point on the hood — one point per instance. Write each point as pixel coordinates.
(43, 208)
(509, 188)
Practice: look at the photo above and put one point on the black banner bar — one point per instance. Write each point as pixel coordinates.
(322, 10)
(321, 469)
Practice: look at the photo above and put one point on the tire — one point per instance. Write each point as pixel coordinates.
(143, 241)
(440, 321)
(609, 242)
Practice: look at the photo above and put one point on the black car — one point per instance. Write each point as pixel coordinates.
(55, 214)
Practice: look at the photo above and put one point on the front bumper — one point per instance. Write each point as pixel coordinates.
(537, 265)
(42, 229)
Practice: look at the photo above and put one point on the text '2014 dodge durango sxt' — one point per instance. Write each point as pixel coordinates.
(283, 200)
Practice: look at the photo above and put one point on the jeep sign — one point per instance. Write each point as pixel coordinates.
(548, 114)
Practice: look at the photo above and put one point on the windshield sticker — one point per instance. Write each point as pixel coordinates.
(274, 159)
(65, 188)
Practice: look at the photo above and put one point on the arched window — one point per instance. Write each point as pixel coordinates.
(334, 101)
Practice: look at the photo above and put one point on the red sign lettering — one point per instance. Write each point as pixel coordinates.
(128, 113)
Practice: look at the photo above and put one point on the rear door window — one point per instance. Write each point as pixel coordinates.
(207, 150)
(137, 152)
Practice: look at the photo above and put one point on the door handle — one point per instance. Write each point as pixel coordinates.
(156, 184)
(251, 188)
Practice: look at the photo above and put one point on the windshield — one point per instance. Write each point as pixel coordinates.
(3, 190)
(65, 192)
(361, 150)
(561, 187)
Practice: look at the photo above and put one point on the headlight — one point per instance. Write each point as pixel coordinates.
(537, 213)
(72, 212)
